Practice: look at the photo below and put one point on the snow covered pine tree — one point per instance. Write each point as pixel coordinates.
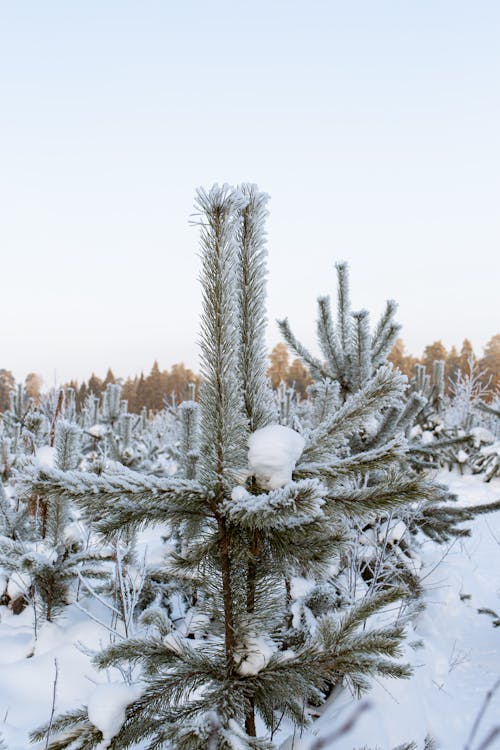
(256, 506)
(352, 358)
(38, 549)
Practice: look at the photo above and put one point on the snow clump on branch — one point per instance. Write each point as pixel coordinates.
(106, 708)
(273, 452)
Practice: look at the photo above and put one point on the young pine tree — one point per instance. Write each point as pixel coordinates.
(352, 357)
(38, 548)
(255, 506)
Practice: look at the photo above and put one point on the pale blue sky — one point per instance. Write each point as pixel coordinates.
(374, 126)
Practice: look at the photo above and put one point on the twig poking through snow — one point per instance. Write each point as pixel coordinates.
(342, 730)
(489, 695)
(54, 691)
(489, 739)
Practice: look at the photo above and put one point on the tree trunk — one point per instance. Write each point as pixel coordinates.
(251, 590)
(227, 594)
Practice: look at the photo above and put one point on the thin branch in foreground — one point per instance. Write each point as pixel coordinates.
(487, 698)
(489, 738)
(54, 693)
(346, 727)
(98, 621)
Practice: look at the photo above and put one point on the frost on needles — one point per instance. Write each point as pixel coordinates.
(260, 648)
(354, 359)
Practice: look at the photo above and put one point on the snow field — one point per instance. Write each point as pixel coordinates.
(455, 653)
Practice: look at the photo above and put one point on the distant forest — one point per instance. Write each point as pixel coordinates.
(160, 387)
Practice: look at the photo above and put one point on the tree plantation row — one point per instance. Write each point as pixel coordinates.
(152, 391)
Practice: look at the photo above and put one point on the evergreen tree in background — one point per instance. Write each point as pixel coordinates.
(7, 384)
(351, 353)
(33, 387)
(452, 365)
(36, 548)
(281, 371)
(432, 353)
(466, 353)
(95, 385)
(279, 364)
(490, 362)
(352, 358)
(110, 378)
(404, 362)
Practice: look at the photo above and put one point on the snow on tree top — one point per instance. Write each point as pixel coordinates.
(273, 452)
(46, 456)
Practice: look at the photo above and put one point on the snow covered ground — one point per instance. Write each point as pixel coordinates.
(455, 653)
(459, 659)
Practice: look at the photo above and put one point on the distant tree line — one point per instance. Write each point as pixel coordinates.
(293, 374)
(153, 390)
(32, 387)
(281, 370)
(488, 365)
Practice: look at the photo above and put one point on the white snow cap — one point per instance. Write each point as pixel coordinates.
(273, 452)
(301, 587)
(240, 494)
(481, 435)
(97, 430)
(258, 650)
(106, 708)
(491, 450)
(46, 456)
(427, 437)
